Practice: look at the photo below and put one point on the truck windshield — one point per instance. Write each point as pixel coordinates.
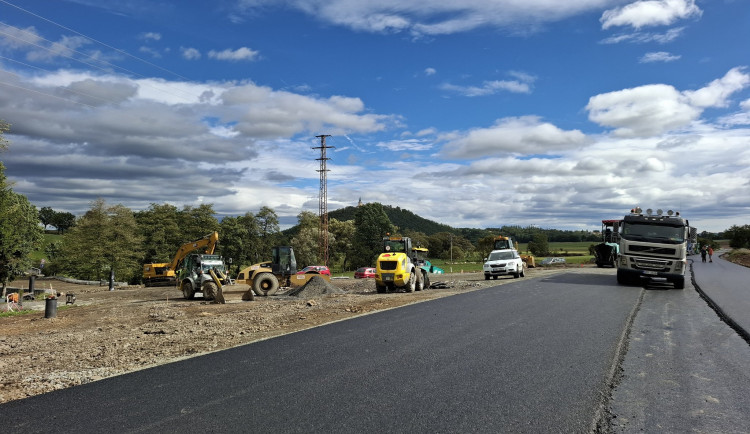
(653, 233)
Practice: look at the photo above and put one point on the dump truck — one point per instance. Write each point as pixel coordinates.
(505, 243)
(265, 278)
(653, 247)
(396, 268)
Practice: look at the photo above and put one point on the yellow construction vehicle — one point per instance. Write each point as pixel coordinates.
(265, 278)
(195, 268)
(165, 273)
(396, 268)
(503, 243)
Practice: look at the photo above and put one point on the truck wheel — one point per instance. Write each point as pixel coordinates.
(380, 288)
(419, 284)
(187, 290)
(426, 279)
(679, 284)
(265, 284)
(621, 278)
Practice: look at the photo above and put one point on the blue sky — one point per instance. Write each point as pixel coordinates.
(478, 113)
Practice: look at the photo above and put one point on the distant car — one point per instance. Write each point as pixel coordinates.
(315, 269)
(365, 273)
(551, 261)
(503, 262)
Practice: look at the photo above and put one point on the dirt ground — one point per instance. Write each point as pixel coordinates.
(106, 333)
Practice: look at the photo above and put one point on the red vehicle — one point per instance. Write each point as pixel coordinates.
(365, 273)
(315, 269)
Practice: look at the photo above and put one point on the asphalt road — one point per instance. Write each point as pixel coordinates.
(537, 355)
(686, 370)
(728, 286)
(532, 356)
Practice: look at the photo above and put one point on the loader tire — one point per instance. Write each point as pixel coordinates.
(412, 282)
(211, 293)
(187, 290)
(381, 289)
(265, 284)
(426, 280)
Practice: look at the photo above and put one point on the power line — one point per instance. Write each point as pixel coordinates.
(95, 40)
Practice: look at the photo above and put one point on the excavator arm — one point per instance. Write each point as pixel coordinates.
(207, 243)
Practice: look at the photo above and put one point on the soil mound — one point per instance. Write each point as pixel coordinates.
(315, 286)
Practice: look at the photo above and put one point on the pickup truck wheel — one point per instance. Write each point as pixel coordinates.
(265, 284)
(187, 290)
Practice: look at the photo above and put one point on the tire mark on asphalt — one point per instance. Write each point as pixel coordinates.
(602, 422)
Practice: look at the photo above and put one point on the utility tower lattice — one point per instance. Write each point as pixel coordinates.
(323, 198)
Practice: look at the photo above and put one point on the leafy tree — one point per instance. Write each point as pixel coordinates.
(232, 242)
(340, 243)
(197, 222)
(448, 246)
(485, 245)
(20, 233)
(739, 236)
(63, 221)
(371, 224)
(46, 215)
(159, 227)
(104, 240)
(539, 246)
(306, 243)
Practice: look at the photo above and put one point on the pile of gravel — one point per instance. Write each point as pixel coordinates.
(315, 286)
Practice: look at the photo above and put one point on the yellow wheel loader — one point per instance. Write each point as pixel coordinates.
(397, 269)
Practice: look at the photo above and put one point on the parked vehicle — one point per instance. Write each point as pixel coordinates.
(552, 261)
(654, 246)
(365, 273)
(319, 269)
(502, 263)
(266, 277)
(396, 269)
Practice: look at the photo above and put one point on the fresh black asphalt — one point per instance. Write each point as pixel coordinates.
(535, 355)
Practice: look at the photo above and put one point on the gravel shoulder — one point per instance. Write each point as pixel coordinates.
(107, 333)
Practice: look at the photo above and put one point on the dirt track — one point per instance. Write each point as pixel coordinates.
(107, 333)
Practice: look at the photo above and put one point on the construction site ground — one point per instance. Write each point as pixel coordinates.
(107, 333)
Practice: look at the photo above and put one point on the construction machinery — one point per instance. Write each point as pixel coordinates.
(265, 278)
(653, 247)
(165, 273)
(200, 272)
(606, 252)
(504, 243)
(419, 255)
(396, 268)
